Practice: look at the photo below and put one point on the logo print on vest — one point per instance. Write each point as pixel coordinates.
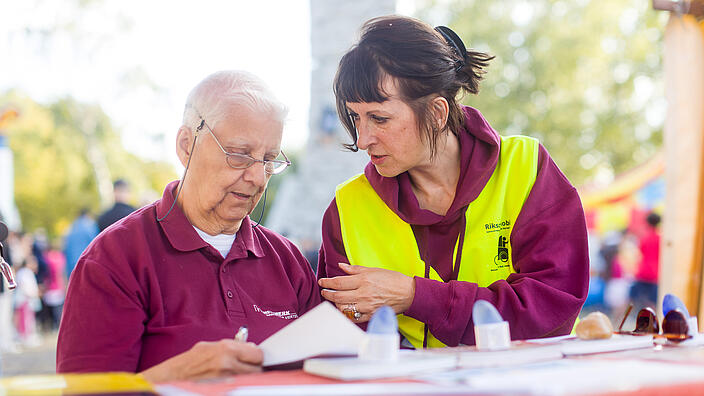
(501, 259)
(496, 227)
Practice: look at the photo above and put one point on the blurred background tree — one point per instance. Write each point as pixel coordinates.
(54, 178)
(585, 77)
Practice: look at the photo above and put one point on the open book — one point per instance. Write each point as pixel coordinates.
(321, 331)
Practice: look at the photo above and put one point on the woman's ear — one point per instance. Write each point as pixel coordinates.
(184, 144)
(441, 110)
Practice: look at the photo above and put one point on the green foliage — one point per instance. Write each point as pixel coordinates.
(582, 76)
(54, 178)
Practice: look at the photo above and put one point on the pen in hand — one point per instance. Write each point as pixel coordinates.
(242, 334)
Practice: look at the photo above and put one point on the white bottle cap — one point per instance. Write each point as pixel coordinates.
(379, 347)
(492, 336)
(693, 326)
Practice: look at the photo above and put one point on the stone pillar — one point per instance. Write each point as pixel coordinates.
(303, 197)
(8, 209)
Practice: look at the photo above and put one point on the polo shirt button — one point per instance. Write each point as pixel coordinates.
(229, 294)
(224, 269)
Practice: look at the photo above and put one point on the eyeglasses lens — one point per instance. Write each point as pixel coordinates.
(238, 162)
(271, 168)
(675, 325)
(647, 322)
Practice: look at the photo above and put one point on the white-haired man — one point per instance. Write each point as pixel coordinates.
(164, 291)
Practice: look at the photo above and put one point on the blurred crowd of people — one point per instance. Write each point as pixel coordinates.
(624, 269)
(42, 269)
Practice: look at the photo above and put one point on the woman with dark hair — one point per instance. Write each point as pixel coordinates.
(447, 212)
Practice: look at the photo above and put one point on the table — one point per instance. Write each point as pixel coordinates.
(672, 359)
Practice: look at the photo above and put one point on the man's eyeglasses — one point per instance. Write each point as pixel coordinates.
(244, 161)
(674, 325)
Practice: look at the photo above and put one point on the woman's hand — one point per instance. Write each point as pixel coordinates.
(368, 289)
(207, 360)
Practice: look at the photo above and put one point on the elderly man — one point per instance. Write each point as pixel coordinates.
(121, 208)
(164, 291)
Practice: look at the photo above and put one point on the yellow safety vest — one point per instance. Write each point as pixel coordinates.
(374, 236)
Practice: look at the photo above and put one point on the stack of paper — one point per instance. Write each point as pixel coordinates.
(617, 342)
(408, 363)
(519, 352)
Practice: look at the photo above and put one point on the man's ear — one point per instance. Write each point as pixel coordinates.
(441, 110)
(184, 144)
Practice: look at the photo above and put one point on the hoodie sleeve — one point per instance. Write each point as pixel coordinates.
(550, 255)
(332, 251)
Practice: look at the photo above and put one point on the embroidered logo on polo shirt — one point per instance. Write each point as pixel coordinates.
(278, 314)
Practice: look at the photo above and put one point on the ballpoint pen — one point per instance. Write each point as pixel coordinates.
(242, 334)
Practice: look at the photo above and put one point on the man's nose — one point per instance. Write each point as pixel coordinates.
(256, 174)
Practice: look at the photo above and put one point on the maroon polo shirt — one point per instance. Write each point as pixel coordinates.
(548, 246)
(145, 291)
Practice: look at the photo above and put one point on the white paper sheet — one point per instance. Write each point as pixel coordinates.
(322, 330)
(581, 376)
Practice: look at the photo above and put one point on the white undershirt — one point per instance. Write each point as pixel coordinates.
(221, 242)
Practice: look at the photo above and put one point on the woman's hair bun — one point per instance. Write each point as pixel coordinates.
(455, 42)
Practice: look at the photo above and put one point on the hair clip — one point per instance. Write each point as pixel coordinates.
(455, 42)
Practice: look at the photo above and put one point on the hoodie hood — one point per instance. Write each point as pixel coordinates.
(479, 150)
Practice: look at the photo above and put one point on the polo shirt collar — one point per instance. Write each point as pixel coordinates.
(247, 240)
(183, 237)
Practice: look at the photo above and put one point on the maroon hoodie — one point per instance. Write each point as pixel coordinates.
(549, 247)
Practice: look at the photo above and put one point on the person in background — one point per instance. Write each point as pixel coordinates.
(27, 302)
(644, 291)
(121, 208)
(40, 244)
(81, 233)
(447, 212)
(163, 291)
(54, 286)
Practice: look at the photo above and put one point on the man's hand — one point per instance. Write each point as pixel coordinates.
(368, 289)
(207, 360)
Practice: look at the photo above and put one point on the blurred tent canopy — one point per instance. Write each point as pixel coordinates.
(7, 115)
(625, 202)
(623, 185)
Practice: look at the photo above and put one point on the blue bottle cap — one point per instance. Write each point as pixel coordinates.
(383, 321)
(484, 312)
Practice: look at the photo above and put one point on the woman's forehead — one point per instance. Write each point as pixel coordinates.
(391, 103)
